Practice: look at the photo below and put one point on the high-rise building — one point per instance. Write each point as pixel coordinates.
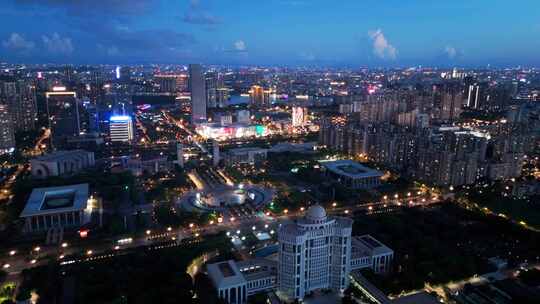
(473, 97)
(63, 114)
(212, 83)
(167, 83)
(124, 74)
(198, 93)
(7, 136)
(451, 104)
(259, 97)
(21, 98)
(314, 253)
(243, 116)
(180, 154)
(299, 116)
(69, 74)
(215, 153)
(121, 129)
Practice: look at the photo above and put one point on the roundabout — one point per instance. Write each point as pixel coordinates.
(226, 197)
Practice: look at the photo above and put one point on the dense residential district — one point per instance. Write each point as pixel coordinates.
(210, 184)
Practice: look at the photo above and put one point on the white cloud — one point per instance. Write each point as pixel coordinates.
(17, 42)
(113, 51)
(240, 46)
(450, 51)
(308, 56)
(57, 44)
(381, 47)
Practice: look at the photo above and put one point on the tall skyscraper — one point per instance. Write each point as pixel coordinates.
(7, 136)
(180, 154)
(167, 83)
(473, 97)
(21, 98)
(451, 104)
(298, 116)
(314, 253)
(260, 98)
(124, 74)
(121, 129)
(63, 114)
(215, 153)
(198, 93)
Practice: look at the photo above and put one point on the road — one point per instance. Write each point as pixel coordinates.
(102, 248)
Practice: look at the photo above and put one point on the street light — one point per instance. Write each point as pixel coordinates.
(89, 252)
(37, 249)
(12, 252)
(64, 245)
(169, 228)
(148, 232)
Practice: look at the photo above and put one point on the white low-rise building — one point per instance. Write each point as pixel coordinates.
(246, 155)
(61, 163)
(55, 207)
(236, 281)
(367, 252)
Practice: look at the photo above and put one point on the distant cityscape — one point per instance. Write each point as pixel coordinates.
(269, 185)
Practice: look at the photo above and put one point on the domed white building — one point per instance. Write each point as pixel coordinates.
(314, 253)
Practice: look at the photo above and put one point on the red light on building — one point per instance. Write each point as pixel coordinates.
(83, 233)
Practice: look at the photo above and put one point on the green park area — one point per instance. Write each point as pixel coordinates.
(138, 276)
(498, 199)
(444, 243)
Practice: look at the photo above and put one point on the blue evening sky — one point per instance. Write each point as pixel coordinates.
(272, 32)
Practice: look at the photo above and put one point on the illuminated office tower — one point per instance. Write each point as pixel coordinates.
(473, 98)
(198, 93)
(298, 116)
(63, 114)
(7, 136)
(121, 129)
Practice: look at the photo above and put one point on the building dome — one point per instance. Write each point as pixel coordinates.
(316, 213)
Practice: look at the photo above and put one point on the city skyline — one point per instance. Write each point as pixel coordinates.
(289, 33)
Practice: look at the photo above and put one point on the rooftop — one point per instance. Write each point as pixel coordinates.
(60, 154)
(56, 199)
(367, 243)
(350, 168)
(225, 274)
